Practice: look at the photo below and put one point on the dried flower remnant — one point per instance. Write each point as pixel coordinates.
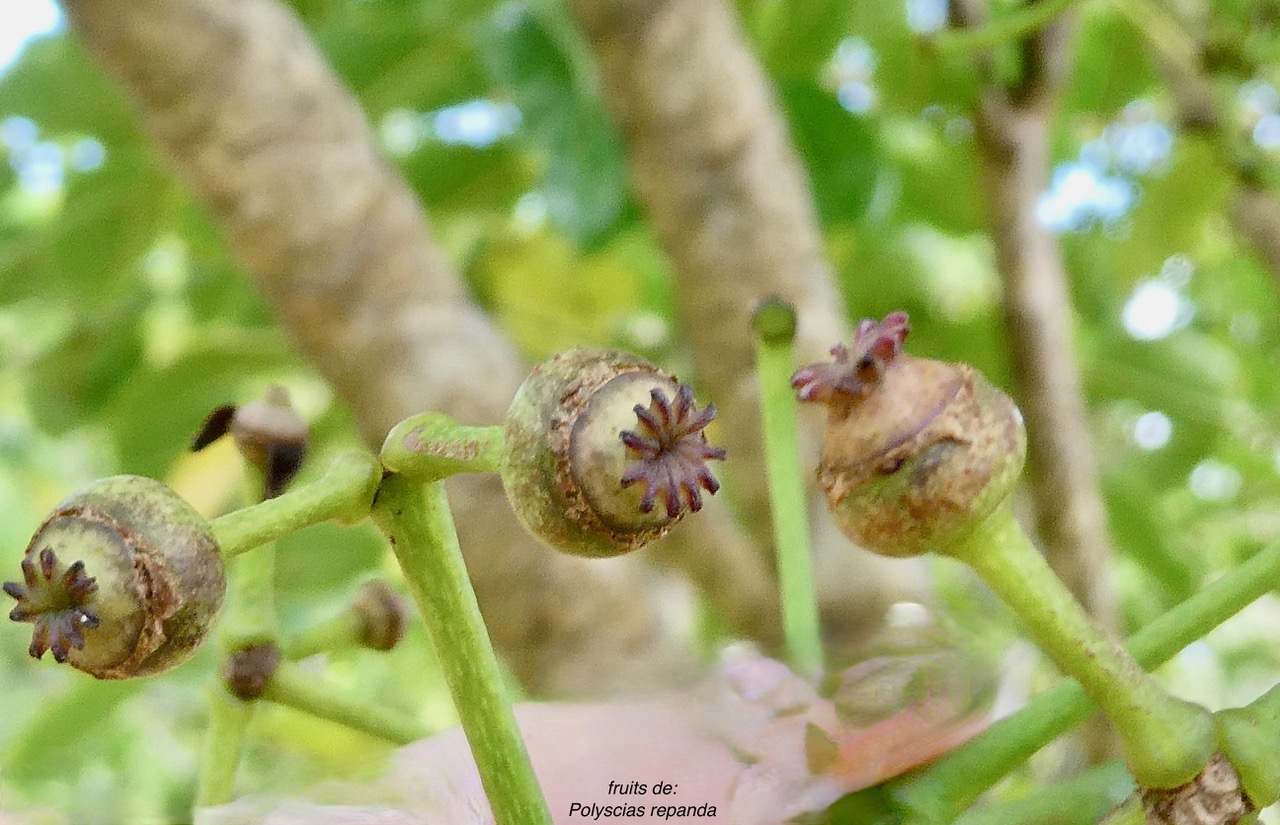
(672, 452)
(853, 373)
(269, 432)
(56, 602)
(916, 452)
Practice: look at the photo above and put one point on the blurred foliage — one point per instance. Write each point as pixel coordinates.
(123, 318)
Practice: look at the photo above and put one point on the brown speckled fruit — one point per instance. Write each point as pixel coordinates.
(123, 579)
(604, 452)
(916, 452)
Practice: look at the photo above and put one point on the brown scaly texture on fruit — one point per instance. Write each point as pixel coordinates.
(916, 452)
(604, 452)
(123, 579)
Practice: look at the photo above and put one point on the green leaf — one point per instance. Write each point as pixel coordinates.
(58, 739)
(584, 180)
(840, 150)
(88, 255)
(57, 86)
(74, 381)
(1111, 67)
(156, 414)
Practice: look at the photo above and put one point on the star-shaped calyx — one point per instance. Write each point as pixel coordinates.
(54, 602)
(856, 370)
(671, 452)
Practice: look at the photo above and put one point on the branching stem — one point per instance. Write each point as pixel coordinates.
(1166, 741)
(344, 492)
(941, 791)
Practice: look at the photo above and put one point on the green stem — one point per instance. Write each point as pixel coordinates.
(295, 688)
(939, 792)
(344, 492)
(417, 520)
(1129, 812)
(431, 446)
(1009, 27)
(774, 324)
(249, 617)
(1092, 793)
(1249, 737)
(224, 737)
(1166, 741)
(340, 632)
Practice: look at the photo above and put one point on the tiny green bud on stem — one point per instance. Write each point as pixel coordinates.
(774, 323)
(375, 618)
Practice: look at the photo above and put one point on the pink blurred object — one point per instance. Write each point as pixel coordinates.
(754, 741)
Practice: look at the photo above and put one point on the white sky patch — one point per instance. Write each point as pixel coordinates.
(1152, 430)
(476, 123)
(851, 72)
(1154, 310)
(21, 20)
(1211, 480)
(926, 16)
(1080, 194)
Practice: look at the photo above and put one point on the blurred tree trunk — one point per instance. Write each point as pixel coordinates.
(1014, 127)
(260, 128)
(714, 166)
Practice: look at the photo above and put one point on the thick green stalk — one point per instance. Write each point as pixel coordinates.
(291, 686)
(344, 492)
(1166, 741)
(939, 792)
(417, 520)
(431, 446)
(774, 323)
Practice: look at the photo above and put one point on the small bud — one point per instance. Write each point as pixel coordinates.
(123, 579)
(603, 452)
(270, 433)
(383, 614)
(247, 672)
(916, 452)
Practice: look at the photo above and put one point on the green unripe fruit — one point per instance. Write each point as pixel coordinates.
(123, 579)
(603, 452)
